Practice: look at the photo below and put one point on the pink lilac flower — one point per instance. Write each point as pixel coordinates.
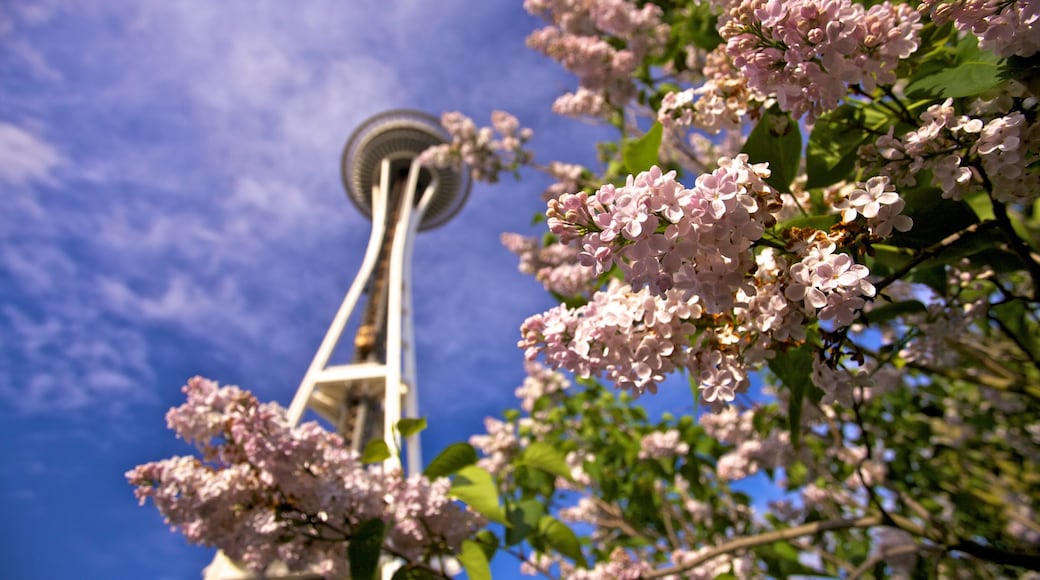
(478, 148)
(263, 491)
(568, 176)
(498, 446)
(879, 203)
(807, 52)
(830, 286)
(555, 266)
(1006, 28)
(663, 235)
(662, 445)
(720, 103)
(965, 153)
(602, 42)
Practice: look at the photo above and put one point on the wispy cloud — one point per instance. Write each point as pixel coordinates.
(26, 158)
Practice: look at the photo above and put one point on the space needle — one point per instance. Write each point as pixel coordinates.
(364, 399)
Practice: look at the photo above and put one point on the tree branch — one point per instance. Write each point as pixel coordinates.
(769, 538)
(934, 250)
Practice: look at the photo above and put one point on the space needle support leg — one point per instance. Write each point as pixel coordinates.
(339, 322)
(398, 352)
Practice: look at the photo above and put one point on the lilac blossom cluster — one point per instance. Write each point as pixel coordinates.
(663, 445)
(879, 203)
(602, 42)
(830, 284)
(1006, 28)
(632, 337)
(720, 103)
(663, 235)
(966, 153)
(478, 148)
(568, 177)
(807, 53)
(688, 255)
(498, 446)
(264, 492)
(555, 265)
(751, 452)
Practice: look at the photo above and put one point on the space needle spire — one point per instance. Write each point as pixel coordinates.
(364, 399)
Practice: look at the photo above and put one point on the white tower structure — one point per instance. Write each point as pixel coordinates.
(365, 398)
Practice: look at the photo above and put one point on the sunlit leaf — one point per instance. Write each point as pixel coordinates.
(375, 451)
(972, 72)
(474, 561)
(547, 458)
(641, 153)
(474, 486)
(562, 539)
(408, 426)
(523, 519)
(453, 458)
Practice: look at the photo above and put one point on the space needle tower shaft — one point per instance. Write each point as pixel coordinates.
(366, 398)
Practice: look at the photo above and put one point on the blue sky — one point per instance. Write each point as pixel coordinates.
(171, 206)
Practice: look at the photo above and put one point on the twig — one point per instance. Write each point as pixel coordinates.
(883, 554)
(769, 538)
(934, 250)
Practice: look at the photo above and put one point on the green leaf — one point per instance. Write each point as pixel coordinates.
(923, 204)
(474, 486)
(794, 369)
(453, 458)
(830, 154)
(523, 519)
(776, 140)
(488, 542)
(1017, 321)
(545, 457)
(366, 545)
(703, 29)
(377, 450)
(641, 153)
(474, 561)
(562, 539)
(972, 71)
(408, 426)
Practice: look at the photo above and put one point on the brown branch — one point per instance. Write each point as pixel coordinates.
(883, 554)
(769, 538)
(934, 250)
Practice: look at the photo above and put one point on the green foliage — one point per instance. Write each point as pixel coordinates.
(408, 427)
(523, 519)
(776, 140)
(543, 456)
(474, 561)
(561, 538)
(365, 547)
(794, 369)
(375, 451)
(474, 486)
(954, 72)
(831, 153)
(641, 153)
(453, 458)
